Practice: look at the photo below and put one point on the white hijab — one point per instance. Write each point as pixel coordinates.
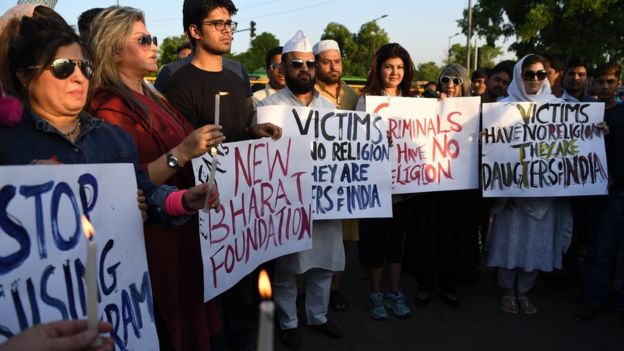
(517, 92)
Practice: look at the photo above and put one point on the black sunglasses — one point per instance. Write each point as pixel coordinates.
(63, 68)
(530, 75)
(298, 63)
(146, 41)
(448, 79)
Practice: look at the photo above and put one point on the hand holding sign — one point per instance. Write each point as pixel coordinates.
(65, 335)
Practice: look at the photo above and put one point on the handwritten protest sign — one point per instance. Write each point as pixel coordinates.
(265, 211)
(43, 250)
(545, 149)
(435, 143)
(349, 159)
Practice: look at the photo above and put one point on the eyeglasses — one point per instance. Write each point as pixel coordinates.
(274, 66)
(530, 75)
(146, 41)
(63, 68)
(220, 24)
(448, 79)
(298, 63)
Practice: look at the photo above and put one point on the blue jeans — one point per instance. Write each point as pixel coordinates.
(603, 252)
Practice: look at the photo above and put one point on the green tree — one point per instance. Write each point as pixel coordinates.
(167, 50)
(571, 28)
(428, 71)
(486, 55)
(357, 49)
(253, 58)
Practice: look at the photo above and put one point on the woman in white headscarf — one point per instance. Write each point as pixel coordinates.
(529, 235)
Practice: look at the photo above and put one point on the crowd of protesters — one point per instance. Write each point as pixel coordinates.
(82, 98)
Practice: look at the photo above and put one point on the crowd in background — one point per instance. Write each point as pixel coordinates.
(83, 98)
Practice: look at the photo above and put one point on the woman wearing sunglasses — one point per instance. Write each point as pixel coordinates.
(43, 64)
(444, 248)
(390, 74)
(528, 234)
(125, 53)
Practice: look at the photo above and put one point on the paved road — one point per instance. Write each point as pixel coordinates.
(478, 325)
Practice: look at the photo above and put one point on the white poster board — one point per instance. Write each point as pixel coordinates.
(43, 250)
(435, 142)
(543, 149)
(348, 156)
(265, 211)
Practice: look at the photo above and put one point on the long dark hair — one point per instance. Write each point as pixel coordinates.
(29, 42)
(374, 85)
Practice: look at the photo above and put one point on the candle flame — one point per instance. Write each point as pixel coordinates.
(264, 285)
(223, 93)
(87, 227)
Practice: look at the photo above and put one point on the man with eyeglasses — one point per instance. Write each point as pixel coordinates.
(497, 81)
(575, 81)
(327, 253)
(191, 88)
(273, 60)
(604, 245)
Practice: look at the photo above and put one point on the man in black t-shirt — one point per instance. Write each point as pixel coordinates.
(610, 230)
(191, 84)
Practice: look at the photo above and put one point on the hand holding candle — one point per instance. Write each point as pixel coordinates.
(211, 178)
(265, 317)
(91, 279)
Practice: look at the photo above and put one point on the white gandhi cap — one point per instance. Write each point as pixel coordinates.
(298, 43)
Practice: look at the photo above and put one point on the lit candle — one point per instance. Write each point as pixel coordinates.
(218, 106)
(265, 318)
(211, 177)
(91, 279)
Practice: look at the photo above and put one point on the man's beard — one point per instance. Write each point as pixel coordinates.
(328, 79)
(298, 86)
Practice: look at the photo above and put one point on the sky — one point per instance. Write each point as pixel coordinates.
(422, 27)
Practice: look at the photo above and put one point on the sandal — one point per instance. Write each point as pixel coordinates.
(526, 305)
(509, 304)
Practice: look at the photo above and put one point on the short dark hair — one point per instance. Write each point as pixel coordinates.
(186, 45)
(194, 11)
(86, 19)
(503, 66)
(479, 73)
(533, 58)
(268, 59)
(374, 85)
(553, 61)
(608, 68)
(576, 62)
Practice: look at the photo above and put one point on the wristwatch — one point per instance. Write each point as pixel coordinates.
(172, 161)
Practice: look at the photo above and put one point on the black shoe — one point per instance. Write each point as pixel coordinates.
(587, 313)
(450, 299)
(422, 301)
(337, 301)
(330, 329)
(292, 339)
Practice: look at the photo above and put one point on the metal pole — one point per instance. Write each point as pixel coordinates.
(476, 54)
(468, 35)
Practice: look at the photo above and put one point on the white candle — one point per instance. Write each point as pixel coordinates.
(217, 108)
(218, 105)
(211, 177)
(265, 317)
(91, 279)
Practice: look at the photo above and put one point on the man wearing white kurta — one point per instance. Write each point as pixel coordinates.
(327, 253)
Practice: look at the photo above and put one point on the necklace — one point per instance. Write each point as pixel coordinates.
(73, 131)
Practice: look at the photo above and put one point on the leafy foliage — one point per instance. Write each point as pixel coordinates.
(428, 71)
(253, 58)
(167, 50)
(589, 29)
(486, 55)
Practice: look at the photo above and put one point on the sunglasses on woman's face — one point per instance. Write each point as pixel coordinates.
(63, 68)
(448, 79)
(530, 75)
(146, 41)
(298, 63)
